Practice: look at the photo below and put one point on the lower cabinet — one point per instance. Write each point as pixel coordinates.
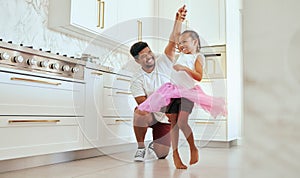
(207, 128)
(117, 131)
(93, 107)
(109, 109)
(117, 113)
(32, 136)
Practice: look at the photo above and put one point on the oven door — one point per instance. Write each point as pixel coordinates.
(215, 62)
(28, 95)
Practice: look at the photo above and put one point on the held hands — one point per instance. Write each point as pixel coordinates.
(181, 13)
(179, 67)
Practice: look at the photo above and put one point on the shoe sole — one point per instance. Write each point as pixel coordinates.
(138, 160)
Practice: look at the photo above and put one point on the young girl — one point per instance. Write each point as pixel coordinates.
(189, 70)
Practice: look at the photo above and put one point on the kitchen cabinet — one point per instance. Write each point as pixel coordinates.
(31, 136)
(84, 18)
(98, 20)
(117, 113)
(109, 109)
(94, 101)
(203, 125)
(206, 17)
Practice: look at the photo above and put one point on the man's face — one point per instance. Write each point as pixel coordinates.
(146, 59)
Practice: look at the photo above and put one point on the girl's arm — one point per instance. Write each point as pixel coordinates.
(195, 74)
(173, 40)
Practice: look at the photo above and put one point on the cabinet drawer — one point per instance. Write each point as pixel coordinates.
(214, 87)
(118, 103)
(209, 130)
(117, 131)
(116, 81)
(24, 136)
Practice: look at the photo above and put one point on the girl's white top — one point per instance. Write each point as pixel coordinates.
(181, 78)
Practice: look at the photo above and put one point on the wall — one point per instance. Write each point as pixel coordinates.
(271, 88)
(25, 21)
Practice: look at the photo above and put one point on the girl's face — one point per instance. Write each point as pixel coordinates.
(187, 44)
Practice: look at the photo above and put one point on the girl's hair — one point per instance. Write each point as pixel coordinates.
(194, 35)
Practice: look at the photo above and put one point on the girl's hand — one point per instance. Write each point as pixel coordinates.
(179, 67)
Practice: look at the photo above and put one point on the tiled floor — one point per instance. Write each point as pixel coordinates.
(214, 162)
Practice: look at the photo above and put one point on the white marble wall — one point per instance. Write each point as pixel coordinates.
(25, 21)
(271, 88)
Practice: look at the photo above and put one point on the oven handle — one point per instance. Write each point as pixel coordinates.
(35, 81)
(212, 55)
(33, 121)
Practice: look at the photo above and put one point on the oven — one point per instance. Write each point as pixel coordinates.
(215, 62)
(42, 103)
(34, 83)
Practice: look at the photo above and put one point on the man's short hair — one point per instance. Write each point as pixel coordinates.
(137, 47)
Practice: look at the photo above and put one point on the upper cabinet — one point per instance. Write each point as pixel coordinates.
(111, 21)
(207, 17)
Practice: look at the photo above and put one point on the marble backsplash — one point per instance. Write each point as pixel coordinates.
(25, 22)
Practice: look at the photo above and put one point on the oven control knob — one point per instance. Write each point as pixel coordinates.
(75, 69)
(4, 56)
(18, 59)
(54, 66)
(32, 62)
(66, 68)
(43, 64)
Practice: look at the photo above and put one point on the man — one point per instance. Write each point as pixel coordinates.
(153, 73)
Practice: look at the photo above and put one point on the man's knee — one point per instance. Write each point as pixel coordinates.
(142, 120)
(161, 150)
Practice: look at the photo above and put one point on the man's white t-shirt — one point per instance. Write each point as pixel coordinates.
(144, 84)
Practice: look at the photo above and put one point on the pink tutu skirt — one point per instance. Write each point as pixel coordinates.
(162, 97)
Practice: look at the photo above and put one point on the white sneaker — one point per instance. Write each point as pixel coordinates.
(140, 155)
(151, 155)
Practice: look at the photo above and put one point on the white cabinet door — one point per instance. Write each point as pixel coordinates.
(207, 17)
(84, 13)
(93, 116)
(115, 131)
(31, 136)
(84, 18)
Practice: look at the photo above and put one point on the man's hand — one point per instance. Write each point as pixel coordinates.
(181, 13)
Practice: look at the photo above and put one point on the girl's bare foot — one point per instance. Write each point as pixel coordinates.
(194, 156)
(177, 161)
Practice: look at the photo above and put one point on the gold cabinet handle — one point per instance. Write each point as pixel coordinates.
(101, 5)
(35, 81)
(140, 27)
(123, 79)
(97, 73)
(102, 8)
(124, 93)
(203, 123)
(122, 120)
(206, 81)
(99, 16)
(33, 121)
